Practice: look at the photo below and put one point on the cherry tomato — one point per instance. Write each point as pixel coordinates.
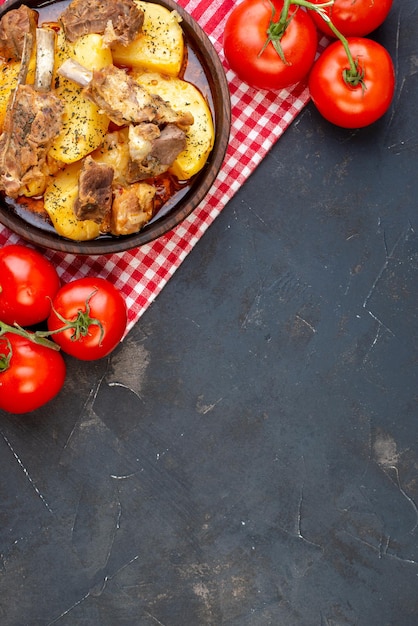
(33, 374)
(246, 33)
(348, 106)
(28, 282)
(91, 315)
(353, 18)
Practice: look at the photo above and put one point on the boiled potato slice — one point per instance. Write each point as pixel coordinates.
(59, 198)
(184, 96)
(114, 152)
(84, 125)
(37, 185)
(8, 80)
(160, 46)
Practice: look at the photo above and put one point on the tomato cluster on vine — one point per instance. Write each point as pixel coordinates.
(85, 318)
(273, 44)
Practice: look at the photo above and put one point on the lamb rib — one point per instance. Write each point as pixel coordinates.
(122, 99)
(33, 119)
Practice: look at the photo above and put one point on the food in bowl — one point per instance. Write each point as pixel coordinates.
(99, 127)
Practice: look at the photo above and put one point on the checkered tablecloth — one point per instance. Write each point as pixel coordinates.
(258, 120)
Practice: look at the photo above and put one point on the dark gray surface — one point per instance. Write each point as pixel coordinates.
(248, 456)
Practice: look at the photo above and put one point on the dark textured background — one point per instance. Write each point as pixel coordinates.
(249, 455)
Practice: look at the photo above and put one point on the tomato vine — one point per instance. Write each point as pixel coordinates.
(353, 76)
(37, 337)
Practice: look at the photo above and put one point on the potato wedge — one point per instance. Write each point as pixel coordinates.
(8, 81)
(84, 125)
(184, 96)
(9, 72)
(59, 199)
(160, 46)
(114, 152)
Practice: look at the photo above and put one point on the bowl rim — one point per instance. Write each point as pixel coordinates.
(221, 111)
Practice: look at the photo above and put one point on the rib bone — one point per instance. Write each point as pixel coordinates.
(45, 58)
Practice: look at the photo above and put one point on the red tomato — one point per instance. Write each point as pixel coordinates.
(33, 374)
(28, 282)
(348, 106)
(353, 18)
(246, 33)
(97, 316)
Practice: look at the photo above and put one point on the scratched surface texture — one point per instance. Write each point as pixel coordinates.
(249, 455)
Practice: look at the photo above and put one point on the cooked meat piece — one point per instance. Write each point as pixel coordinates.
(30, 126)
(125, 101)
(113, 91)
(170, 143)
(94, 199)
(119, 20)
(153, 154)
(33, 119)
(122, 99)
(132, 208)
(141, 140)
(13, 26)
(165, 114)
(123, 29)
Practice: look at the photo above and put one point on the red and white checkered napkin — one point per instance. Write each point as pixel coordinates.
(258, 120)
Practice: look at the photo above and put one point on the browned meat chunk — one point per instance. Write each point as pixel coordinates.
(30, 126)
(13, 27)
(132, 208)
(170, 143)
(94, 199)
(125, 101)
(153, 153)
(141, 140)
(119, 20)
(165, 114)
(122, 99)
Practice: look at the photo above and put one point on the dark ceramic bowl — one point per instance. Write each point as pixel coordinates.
(209, 76)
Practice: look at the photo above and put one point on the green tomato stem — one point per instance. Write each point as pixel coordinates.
(35, 337)
(80, 325)
(5, 358)
(353, 76)
(284, 15)
(275, 31)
